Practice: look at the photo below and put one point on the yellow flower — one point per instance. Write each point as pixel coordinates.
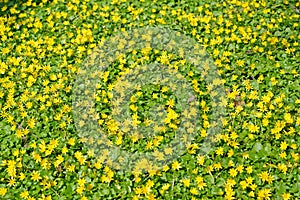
(3, 191)
(249, 169)
(35, 175)
(251, 194)
(264, 176)
(233, 172)
(83, 198)
(286, 196)
(166, 168)
(5, 51)
(22, 176)
(283, 145)
(219, 151)
(11, 182)
(201, 185)
(81, 181)
(71, 141)
(240, 63)
(31, 122)
(24, 194)
(194, 191)
(288, 118)
(186, 182)
(282, 155)
(71, 168)
(64, 150)
(79, 190)
(244, 184)
(264, 194)
(166, 186)
(176, 165)
(253, 128)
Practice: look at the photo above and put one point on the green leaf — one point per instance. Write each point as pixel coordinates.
(257, 146)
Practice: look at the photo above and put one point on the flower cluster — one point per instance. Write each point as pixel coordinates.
(254, 46)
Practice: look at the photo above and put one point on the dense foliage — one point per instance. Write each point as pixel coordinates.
(255, 48)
